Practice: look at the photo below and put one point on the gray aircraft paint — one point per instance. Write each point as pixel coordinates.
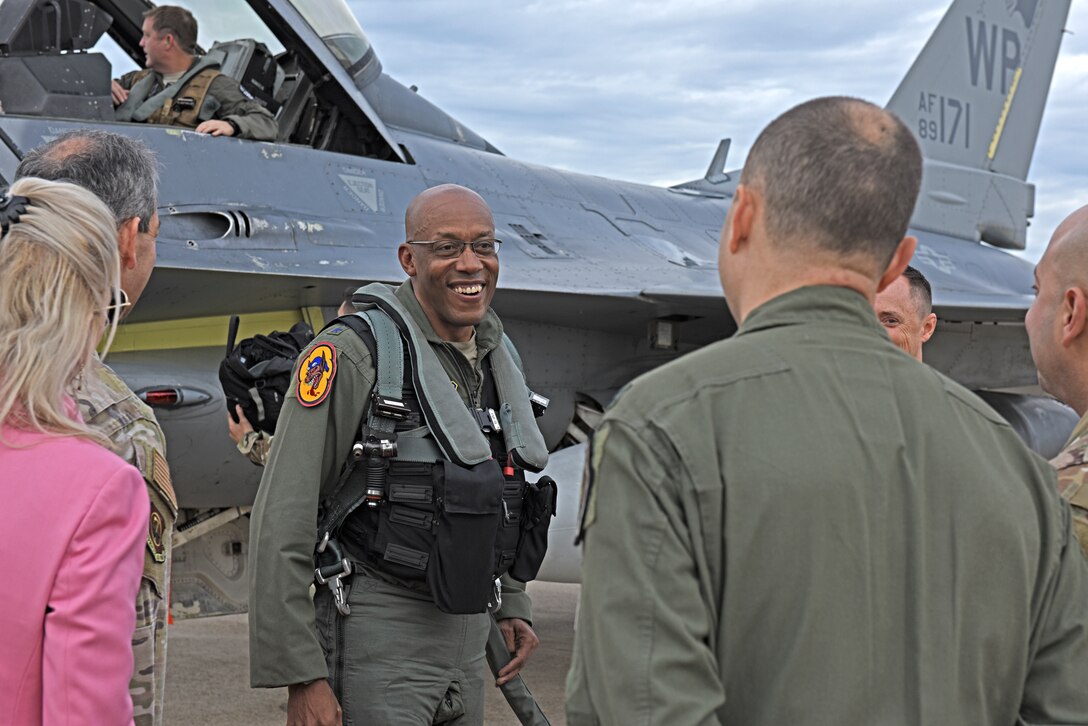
(594, 271)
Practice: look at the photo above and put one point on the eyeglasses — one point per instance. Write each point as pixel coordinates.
(450, 249)
(114, 308)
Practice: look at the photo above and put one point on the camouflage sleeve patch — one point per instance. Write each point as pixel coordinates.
(156, 529)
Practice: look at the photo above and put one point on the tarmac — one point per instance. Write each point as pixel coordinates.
(207, 676)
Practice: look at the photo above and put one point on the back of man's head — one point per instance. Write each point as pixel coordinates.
(119, 170)
(176, 21)
(838, 175)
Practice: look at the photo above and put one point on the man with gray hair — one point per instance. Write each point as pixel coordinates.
(123, 173)
(801, 524)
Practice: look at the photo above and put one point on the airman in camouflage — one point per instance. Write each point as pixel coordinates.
(255, 446)
(1072, 466)
(108, 405)
(123, 173)
(1057, 326)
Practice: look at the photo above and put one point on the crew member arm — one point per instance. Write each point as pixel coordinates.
(87, 652)
(254, 121)
(310, 445)
(1055, 691)
(515, 601)
(642, 650)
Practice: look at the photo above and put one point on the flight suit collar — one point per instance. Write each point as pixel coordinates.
(821, 304)
(488, 332)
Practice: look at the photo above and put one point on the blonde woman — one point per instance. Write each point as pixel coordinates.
(74, 516)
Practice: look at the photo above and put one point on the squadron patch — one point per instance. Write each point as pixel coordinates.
(315, 374)
(156, 526)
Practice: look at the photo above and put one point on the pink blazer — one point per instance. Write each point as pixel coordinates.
(73, 525)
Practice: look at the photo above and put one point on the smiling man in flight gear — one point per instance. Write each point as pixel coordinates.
(438, 439)
(180, 89)
(905, 309)
(123, 173)
(800, 524)
(1057, 325)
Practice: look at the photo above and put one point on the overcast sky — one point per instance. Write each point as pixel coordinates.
(643, 90)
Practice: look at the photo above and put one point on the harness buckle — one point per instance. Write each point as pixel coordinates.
(539, 403)
(487, 420)
(495, 601)
(391, 408)
(332, 577)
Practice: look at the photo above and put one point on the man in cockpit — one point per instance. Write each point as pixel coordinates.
(179, 88)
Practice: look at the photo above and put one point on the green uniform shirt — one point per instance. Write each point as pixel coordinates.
(803, 524)
(310, 445)
(1072, 466)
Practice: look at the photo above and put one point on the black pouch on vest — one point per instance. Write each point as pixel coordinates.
(461, 570)
(537, 511)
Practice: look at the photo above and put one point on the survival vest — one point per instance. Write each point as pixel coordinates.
(185, 103)
(434, 492)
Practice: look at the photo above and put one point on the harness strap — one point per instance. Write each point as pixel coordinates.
(509, 344)
(382, 339)
(390, 371)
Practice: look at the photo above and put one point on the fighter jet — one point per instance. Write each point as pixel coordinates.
(601, 281)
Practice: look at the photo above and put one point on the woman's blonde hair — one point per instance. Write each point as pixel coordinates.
(59, 267)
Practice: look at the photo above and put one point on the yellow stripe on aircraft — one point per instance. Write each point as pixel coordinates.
(1004, 114)
(208, 331)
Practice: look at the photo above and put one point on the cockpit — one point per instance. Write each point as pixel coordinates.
(57, 59)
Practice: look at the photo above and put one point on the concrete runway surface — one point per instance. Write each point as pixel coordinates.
(207, 678)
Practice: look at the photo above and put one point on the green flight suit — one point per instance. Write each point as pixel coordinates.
(225, 100)
(310, 445)
(803, 525)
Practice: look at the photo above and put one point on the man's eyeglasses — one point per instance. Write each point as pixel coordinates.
(449, 249)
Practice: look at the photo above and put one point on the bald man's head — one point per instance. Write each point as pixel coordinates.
(451, 255)
(1068, 249)
(1057, 320)
(432, 206)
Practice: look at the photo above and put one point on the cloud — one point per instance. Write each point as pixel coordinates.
(643, 90)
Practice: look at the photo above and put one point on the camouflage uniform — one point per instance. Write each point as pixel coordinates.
(108, 405)
(1072, 466)
(255, 445)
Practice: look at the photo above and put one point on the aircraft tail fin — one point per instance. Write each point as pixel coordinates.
(975, 98)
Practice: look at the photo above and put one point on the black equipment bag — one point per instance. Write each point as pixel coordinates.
(256, 373)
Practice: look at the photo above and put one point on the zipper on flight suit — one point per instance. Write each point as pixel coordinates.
(475, 392)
